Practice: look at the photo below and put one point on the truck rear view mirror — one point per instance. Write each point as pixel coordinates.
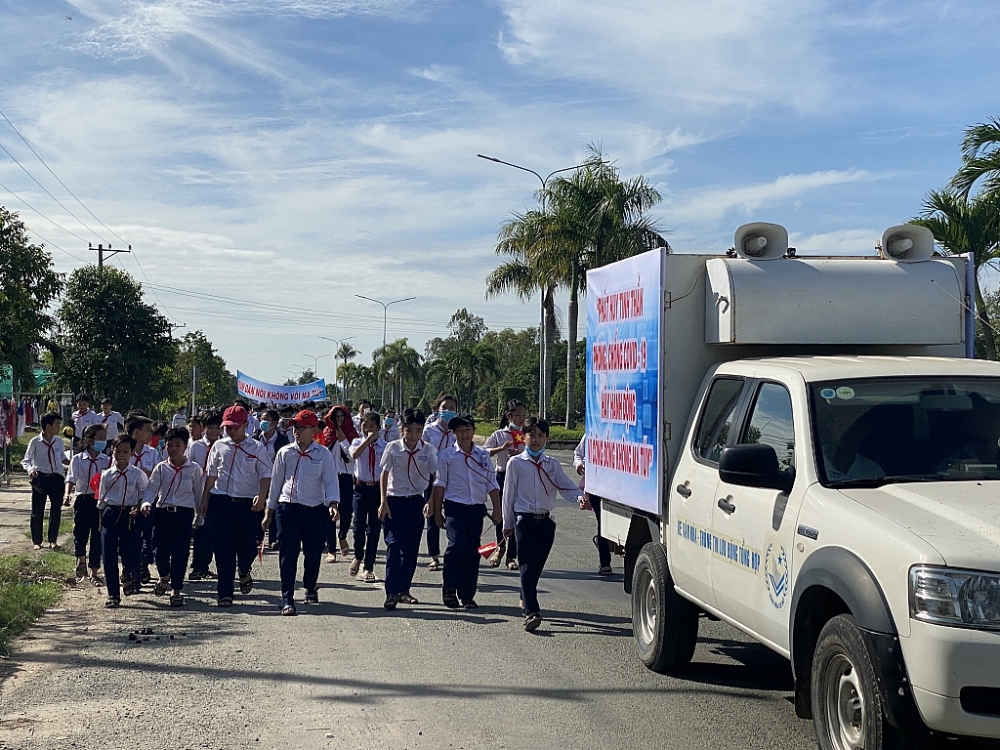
(754, 465)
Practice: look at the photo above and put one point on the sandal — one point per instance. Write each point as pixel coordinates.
(390, 601)
(37, 547)
(288, 610)
(355, 567)
(246, 584)
(113, 602)
(332, 557)
(434, 564)
(344, 548)
(131, 589)
(225, 601)
(81, 570)
(512, 565)
(450, 599)
(406, 598)
(162, 585)
(97, 581)
(312, 597)
(176, 600)
(370, 577)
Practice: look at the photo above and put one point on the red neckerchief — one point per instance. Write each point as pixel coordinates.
(138, 457)
(371, 460)
(93, 462)
(302, 454)
(543, 474)
(121, 474)
(411, 459)
(443, 442)
(177, 473)
(51, 450)
(232, 464)
(104, 418)
(476, 468)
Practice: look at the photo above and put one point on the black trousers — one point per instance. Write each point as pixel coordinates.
(403, 530)
(46, 487)
(233, 537)
(333, 536)
(464, 526)
(147, 532)
(202, 550)
(603, 546)
(300, 528)
(119, 539)
(367, 527)
(87, 529)
(511, 554)
(433, 532)
(173, 543)
(534, 542)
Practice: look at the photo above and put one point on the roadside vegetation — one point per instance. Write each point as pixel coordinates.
(29, 585)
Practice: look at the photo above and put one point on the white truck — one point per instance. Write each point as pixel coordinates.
(805, 449)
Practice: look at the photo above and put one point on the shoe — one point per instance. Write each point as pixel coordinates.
(406, 598)
(605, 570)
(312, 597)
(176, 600)
(162, 585)
(225, 601)
(288, 611)
(450, 599)
(208, 575)
(512, 565)
(196, 575)
(246, 583)
(81, 570)
(113, 602)
(272, 546)
(471, 604)
(531, 621)
(145, 577)
(390, 601)
(132, 589)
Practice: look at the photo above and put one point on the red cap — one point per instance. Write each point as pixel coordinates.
(234, 416)
(305, 418)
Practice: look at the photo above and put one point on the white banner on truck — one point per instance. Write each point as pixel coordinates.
(624, 431)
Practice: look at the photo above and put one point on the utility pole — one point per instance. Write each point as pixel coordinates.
(102, 251)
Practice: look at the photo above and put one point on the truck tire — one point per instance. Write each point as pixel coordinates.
(846, 704)
(665, 624)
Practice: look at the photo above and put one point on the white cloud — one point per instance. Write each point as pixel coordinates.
(842, 242)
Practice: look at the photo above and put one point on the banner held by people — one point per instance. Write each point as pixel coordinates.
(258, 390)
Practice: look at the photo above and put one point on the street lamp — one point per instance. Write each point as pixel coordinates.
(385, 323)
(339, 343)
(316, 361)
(543, 397)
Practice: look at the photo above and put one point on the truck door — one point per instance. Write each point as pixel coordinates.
(753, 528)
(693, 491)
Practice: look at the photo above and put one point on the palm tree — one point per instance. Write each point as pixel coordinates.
(345, 352)
(967, 226)
(347, 373)
(397, 362)
(980, 159)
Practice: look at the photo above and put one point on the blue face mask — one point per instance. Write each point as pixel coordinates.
(100, 445)
(389, 421)
(446, 416)
(534, 453)
(265, 426)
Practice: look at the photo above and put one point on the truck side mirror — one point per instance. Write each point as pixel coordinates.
(754, 465)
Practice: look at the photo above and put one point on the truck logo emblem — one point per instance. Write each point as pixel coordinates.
(776, 574)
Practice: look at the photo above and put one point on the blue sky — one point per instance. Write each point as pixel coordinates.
(298, 152)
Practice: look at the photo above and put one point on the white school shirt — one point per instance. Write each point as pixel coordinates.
(388, 434)
(366, 466)
(122, 488)
(409, 471)
(146, 459)
(44, 457)
(83, 420)
(197, 451)
(179, 486)
(82, 469)
(498, 438)
(580, 453)
(467, 478)
(440, 437)
(238, 468)
(531, 487)
(269, 444)
(113, 422)
(342, 460)
(178, 420)
(306, 477)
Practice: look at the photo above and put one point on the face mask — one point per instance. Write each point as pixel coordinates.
(534, 453)
(265, 426)
(389, 421)
(446, 416)
(100, 445)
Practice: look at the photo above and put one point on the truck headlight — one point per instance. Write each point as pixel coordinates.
(962, 598)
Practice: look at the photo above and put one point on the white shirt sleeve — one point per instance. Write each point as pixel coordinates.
(580, 453)
(277, 479)
(509, 496)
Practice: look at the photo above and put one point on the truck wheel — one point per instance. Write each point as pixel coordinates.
(665, 624)
(846, 705)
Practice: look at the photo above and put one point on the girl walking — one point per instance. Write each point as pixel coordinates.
(338, 434)
(83, 468)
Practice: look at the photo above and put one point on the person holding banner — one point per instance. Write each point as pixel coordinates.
(440, 436)
(503, 445)
(236, 485)
(529, 497)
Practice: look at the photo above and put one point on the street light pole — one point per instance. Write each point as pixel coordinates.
(385, 324)
(340, 342)
(316, 361)
(543, 367)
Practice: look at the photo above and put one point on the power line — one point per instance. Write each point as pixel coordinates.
(53, 221)
(65, 187)
(52, 244)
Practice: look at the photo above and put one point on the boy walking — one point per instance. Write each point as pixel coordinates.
(201, 552)
(119, 493)
(43, 460)
(84, 468)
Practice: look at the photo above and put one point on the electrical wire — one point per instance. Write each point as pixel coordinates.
(50, 243)
(52, 221)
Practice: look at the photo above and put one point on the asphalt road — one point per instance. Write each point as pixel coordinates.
(346, 674)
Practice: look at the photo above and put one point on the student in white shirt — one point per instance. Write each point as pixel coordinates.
(144, 457)
(406, 467)
(82, 418)
(529, 497)
(86, 467)
(180, 418)
(367, 455)
(337, 435)
(603, 548)
(464, 480)
(175, 488)
(118, 497)
(504, 444)
(196, 429)
(273, 440)
(390, 430)
(364, 406)
(113, 421)
(43, 460)
(201, 548)
(236, 485)
(441, 438)
(304, 493)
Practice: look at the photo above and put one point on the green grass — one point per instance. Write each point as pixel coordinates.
(18, 447)
(556, 433)
(29, 585)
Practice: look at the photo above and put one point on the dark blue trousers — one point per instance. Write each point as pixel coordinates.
(402, 542)
(119, 539)
(367, 527)
(603, 547)
(201, 552)
(87, 529)
(333, 537)
(233, 537)
(433, 532)
(46, 487)
(300, 528)
(511, 554)
(173, 543)
(147, 532)
(464, 526)
(534, 542)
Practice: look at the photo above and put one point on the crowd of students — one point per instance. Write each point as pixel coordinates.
(226, 486)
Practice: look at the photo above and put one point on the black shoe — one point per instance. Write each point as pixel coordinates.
(288, 610)
(196, 575)
(312, 597)
(471, 604)
(390, 602)
(531, 621)
(145, 577)
(81, 570)
(246, 584)
(113, 602)
(450, 599)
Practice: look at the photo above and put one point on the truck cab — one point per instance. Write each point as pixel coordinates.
(838, 506)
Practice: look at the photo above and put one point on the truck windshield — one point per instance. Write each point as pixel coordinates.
(874, 431)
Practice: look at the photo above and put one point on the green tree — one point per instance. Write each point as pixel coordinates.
(964, 226)
(980, 159)
(345, 353)
(216, 384)
(397, 362)
(111, 342)
(27, 286)
(347, 373)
